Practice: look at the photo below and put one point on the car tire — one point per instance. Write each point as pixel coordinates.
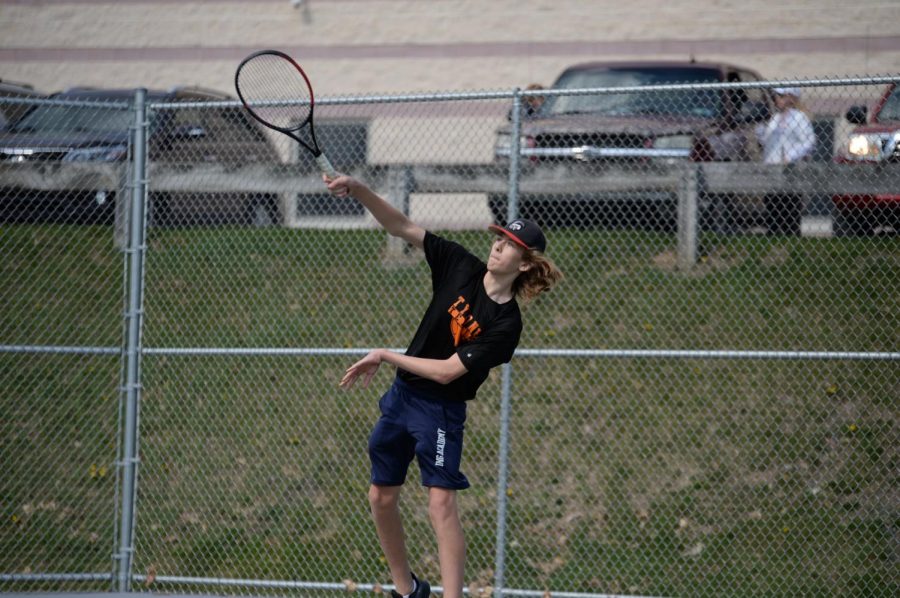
(783, 214)
(158, 215)
(848, 222)
(498, 204)
(262, 212)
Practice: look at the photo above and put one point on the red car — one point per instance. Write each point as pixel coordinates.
(875, 141)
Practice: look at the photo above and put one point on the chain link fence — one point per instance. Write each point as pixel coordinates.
(706, 405)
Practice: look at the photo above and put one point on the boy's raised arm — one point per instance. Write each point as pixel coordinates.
(392, 220)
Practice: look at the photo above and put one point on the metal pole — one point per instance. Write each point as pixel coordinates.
(502, 482)
(512, 205)
(134, 310)
(400, 184)
(687, 218)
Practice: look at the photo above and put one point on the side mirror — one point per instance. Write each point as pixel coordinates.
(857, 115)
(754, 112)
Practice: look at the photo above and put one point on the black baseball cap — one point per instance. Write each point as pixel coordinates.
(524, 233)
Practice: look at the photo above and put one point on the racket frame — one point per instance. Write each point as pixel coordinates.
(321, 160)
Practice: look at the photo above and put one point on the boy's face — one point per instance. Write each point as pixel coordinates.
(506, 257)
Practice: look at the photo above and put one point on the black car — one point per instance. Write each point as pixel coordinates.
(11, 108)
(93, 125)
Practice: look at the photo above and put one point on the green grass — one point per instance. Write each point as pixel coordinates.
(664, 477)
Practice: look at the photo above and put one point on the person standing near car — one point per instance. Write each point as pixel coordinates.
(531, 105)
(786, 138)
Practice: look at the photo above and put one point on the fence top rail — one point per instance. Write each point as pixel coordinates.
(118, 104)
(512, 93)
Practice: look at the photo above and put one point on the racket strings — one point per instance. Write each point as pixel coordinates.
(275, 90)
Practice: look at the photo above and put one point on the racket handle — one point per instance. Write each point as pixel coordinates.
(325, 166)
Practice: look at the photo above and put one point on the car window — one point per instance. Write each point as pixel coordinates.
(756, 95)
(700, 103)
(230, 124)
(891, 108)
(184, 119)
(74, 119)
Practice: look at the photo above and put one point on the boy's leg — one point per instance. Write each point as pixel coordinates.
(442, 507)
(384, 501)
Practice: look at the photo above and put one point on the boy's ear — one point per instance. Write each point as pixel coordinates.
(525, 266)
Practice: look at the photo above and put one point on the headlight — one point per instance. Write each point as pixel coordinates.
(97, 154)
(674, 142)
(865, 147)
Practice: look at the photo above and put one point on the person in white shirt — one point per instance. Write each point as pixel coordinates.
(787, 137)
(789, 134)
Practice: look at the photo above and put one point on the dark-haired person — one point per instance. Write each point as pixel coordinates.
(472, 324)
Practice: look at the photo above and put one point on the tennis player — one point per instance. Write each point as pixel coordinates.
(472, 324)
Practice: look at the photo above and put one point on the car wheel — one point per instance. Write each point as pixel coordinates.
(498, 205)
(262, 212)
(158, 210)
(783, 214)
(850, 223)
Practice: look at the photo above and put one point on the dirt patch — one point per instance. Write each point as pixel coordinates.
(667, 261)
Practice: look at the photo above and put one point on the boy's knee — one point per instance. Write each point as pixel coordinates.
(383, 497)
(442, 503)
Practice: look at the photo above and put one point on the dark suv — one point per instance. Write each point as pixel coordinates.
(11, 111)
(636, 128)
(93, 125)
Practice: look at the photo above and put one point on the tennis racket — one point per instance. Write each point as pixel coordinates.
(276, 92)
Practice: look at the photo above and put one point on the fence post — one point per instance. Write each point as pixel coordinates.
(512, 212)
(502, 483)
(512, 204)
(687, 216)
(399, 187)
(131, 391)
(120, 217)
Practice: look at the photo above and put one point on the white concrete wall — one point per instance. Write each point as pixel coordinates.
(368, 46)
(362, 47)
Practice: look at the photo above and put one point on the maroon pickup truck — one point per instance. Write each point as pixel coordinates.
(876, 140)
(634, 128)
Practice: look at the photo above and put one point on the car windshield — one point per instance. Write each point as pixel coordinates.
(75, 119)
(700, 102)
(891, 108)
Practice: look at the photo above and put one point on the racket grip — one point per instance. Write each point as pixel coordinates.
(325, 166)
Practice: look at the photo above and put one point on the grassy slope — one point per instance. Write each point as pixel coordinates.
(662, 477)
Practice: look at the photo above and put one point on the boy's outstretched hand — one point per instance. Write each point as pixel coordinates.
(365, 367)
(338, 186)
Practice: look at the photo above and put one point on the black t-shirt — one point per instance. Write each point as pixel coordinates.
(462, 319)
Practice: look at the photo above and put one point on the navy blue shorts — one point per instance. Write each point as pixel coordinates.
(413, 424)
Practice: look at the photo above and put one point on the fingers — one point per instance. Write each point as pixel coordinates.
(368, 377)
(350, 377)
(338, 186)
(354, 372)
(347, 381)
